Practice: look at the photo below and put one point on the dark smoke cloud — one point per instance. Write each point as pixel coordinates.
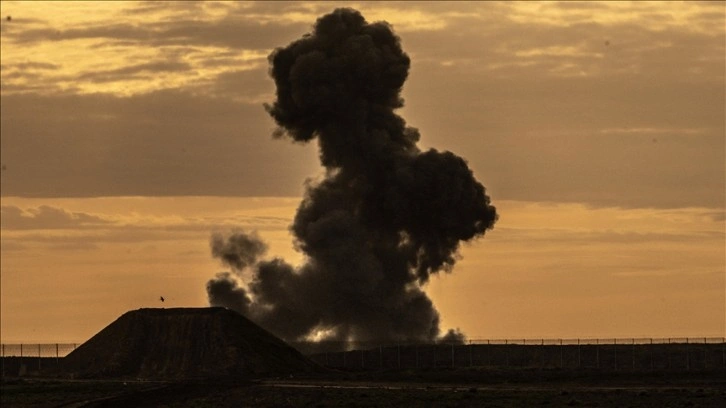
(385, 217)
(225, 290)
(238, 250)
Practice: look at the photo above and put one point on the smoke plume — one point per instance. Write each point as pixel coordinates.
(383, 220)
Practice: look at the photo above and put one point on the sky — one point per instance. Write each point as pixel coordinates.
(130, 132)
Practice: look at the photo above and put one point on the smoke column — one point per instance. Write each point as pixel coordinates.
(385, 217)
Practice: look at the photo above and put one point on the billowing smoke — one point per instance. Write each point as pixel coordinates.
(385, 217)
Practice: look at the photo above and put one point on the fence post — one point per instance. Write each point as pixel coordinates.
(452, 355)
(506, 353)
(615, 343)
(416, 350)
(688, 360)
(39, 358)
(398, 354)
(489, 354)
(471, 359)
(380, 350)
(650, 352)
(705, 348)
(633, 355)
(434, 353)
(562, 359)
(579, 357)
(597, 352)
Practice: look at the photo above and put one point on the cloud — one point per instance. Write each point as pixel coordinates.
(86, 224)
(235, 33)
(47, 217)
(559, 106)
(162, 143)
(30, 66)
(134, 71)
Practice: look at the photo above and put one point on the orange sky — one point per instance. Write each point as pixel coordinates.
(131, 131)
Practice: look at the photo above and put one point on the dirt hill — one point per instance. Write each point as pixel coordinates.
(184, 343)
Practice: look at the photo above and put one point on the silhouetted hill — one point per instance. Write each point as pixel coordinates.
(184, 343)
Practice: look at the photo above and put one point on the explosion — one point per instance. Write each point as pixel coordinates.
(385, 217)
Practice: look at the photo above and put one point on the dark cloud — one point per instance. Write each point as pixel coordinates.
(579, 5)
(46, 217)
(161, 143)
(132, 71)
(12, 245)
(385, 217)
(30, 65)
(575, 239)
(66, 246)
(234, 33)
(557, 148)
(28, 228)
(529, 123)
(251, 84)
(151, 7)
(224, 289)
(238, 251)
(718, 215)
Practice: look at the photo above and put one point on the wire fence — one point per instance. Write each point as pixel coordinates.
(57, 350)
(22, 359)
(707, 353)
(704, 353)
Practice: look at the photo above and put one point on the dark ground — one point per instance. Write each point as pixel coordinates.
(423, 388)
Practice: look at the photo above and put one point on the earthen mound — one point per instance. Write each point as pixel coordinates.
(184, 343)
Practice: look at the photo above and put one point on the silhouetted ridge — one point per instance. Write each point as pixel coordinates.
(184, 343)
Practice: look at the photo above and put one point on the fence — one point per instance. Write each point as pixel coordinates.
(600, 354)
(603, 354)
(27, 358)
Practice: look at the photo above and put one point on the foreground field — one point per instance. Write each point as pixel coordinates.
(438, 388)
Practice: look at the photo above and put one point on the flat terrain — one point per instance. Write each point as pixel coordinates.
(441, 388)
